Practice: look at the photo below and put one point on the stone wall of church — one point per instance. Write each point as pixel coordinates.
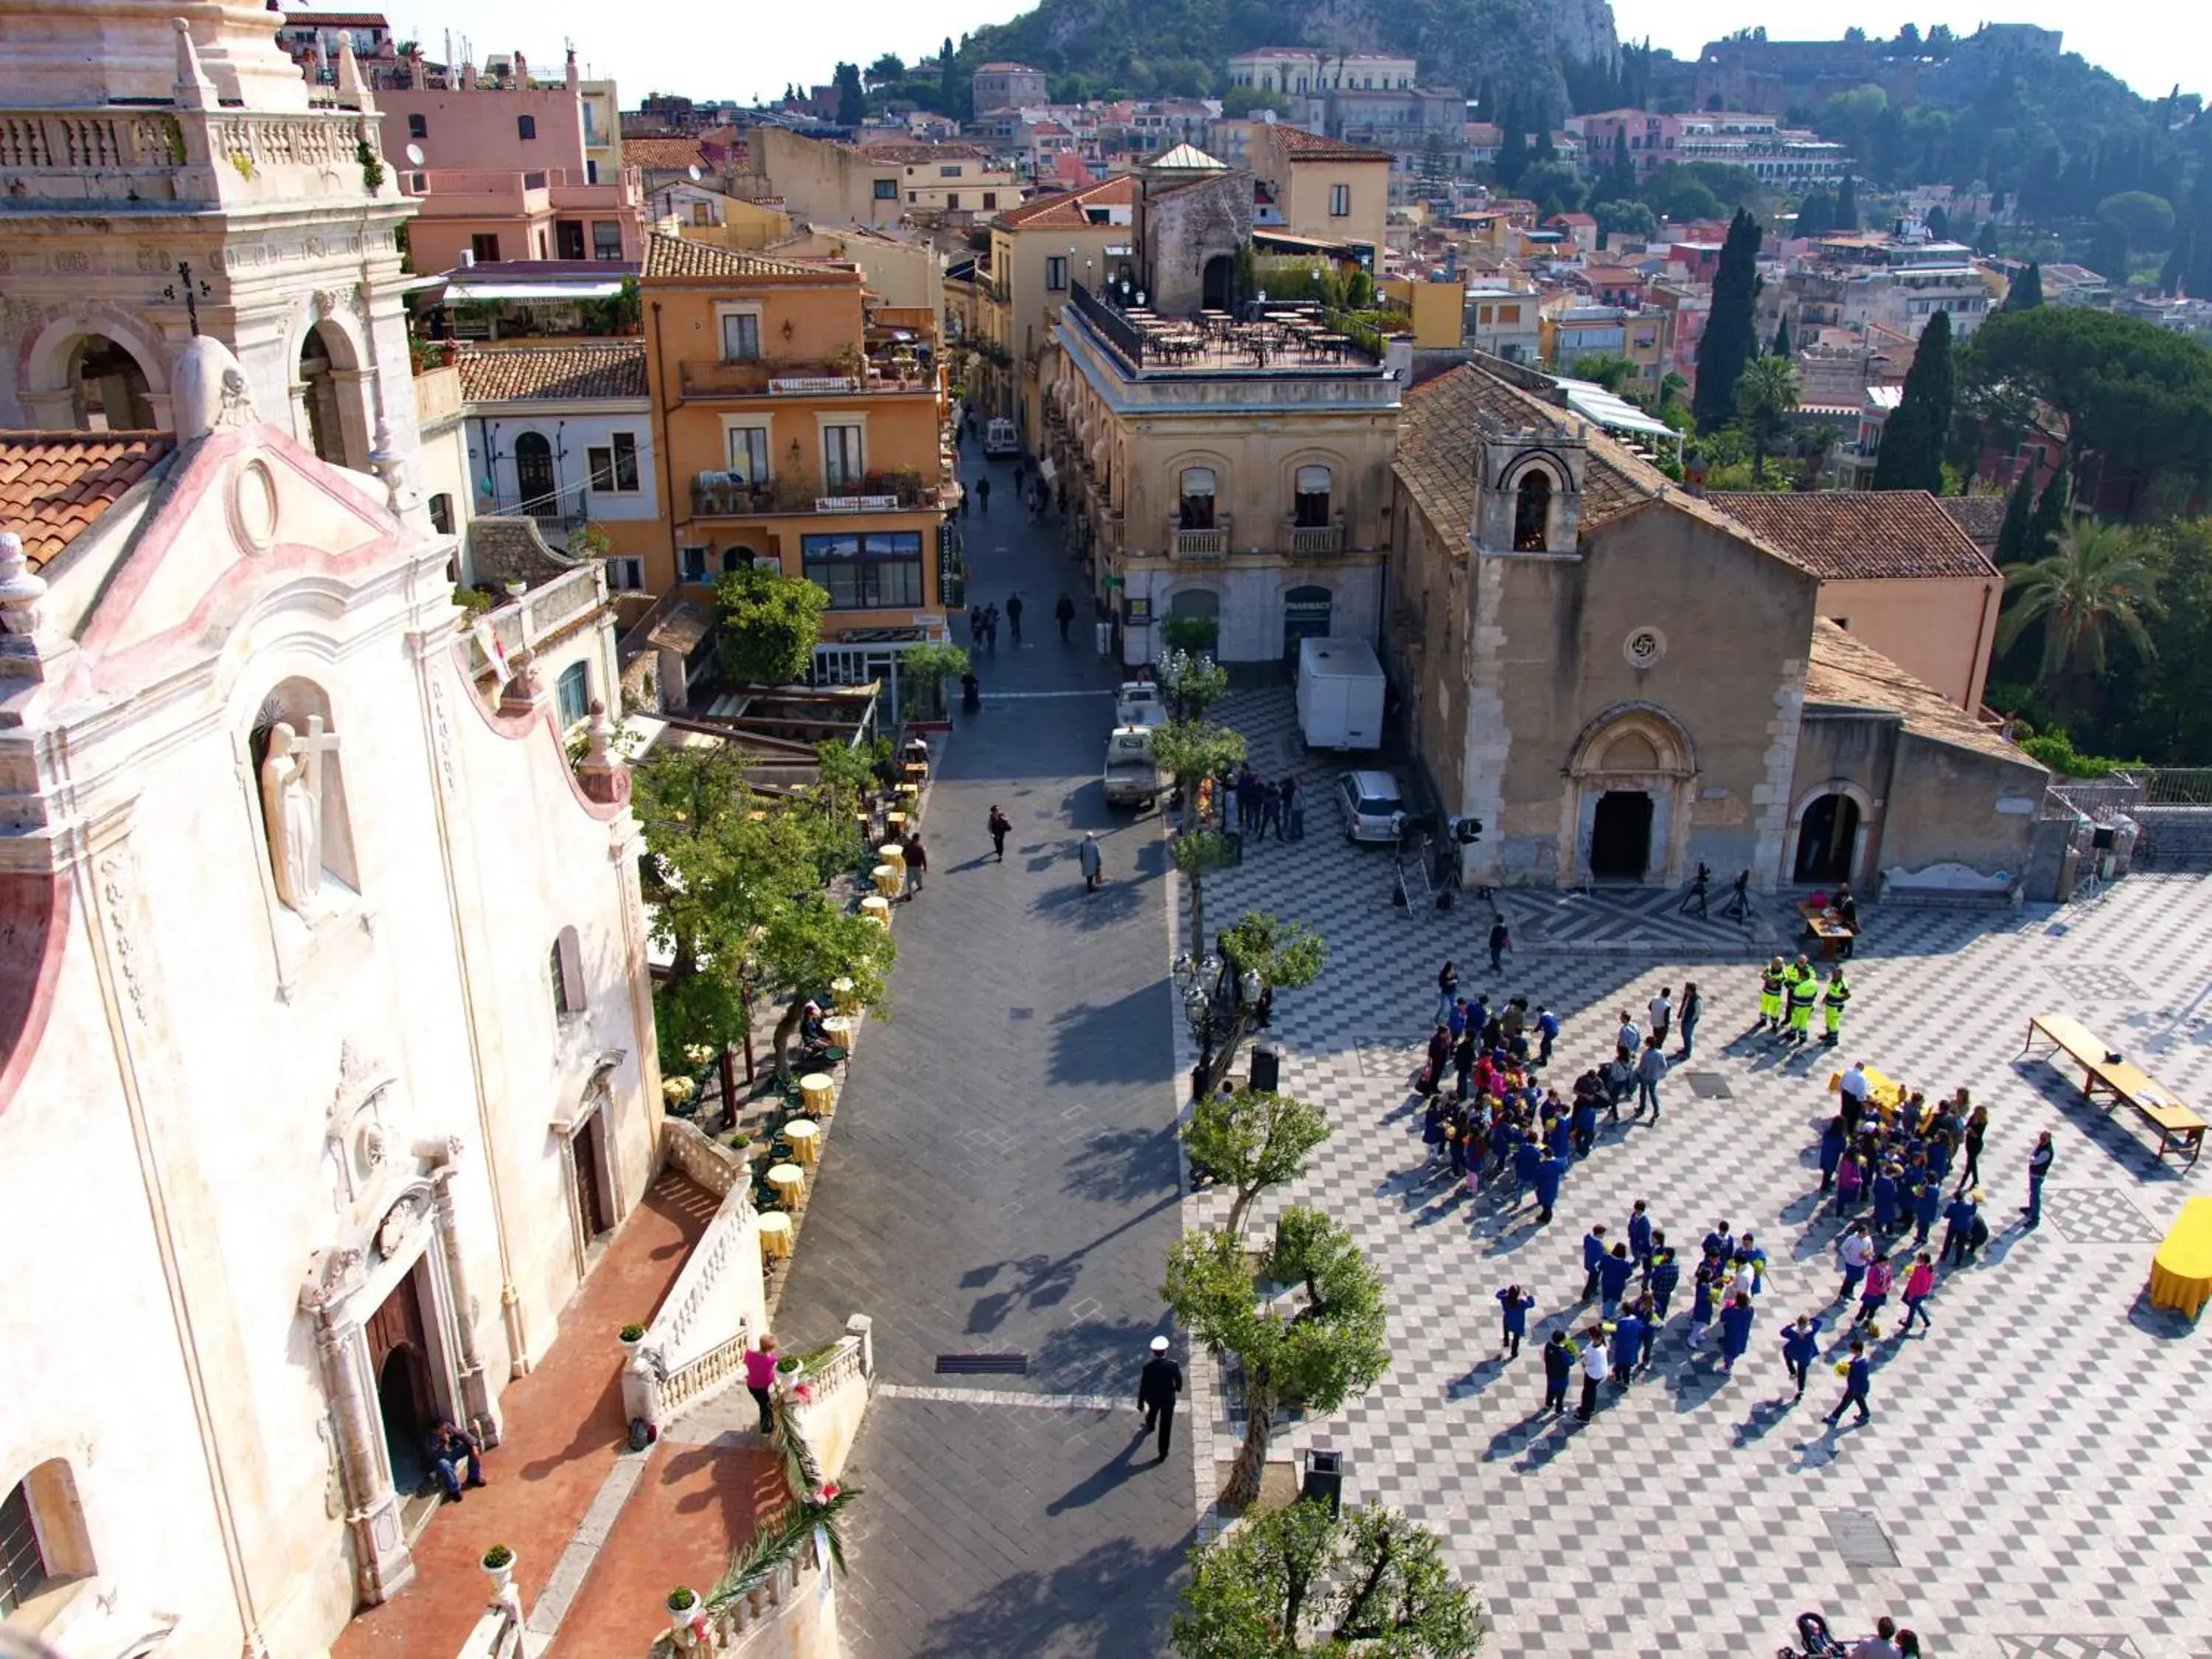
(1574, 642)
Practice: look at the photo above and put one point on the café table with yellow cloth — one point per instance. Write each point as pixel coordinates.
(2181, 1272)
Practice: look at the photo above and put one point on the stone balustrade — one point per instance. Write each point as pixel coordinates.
(696, 1343)
(184, 155)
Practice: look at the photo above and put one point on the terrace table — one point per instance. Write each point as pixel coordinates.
(2181, 1272)
(774, 1235)
(789, 1183)
(805, 1140)
(816, 1090)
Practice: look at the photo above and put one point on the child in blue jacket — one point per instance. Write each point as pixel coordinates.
(1516, 1302)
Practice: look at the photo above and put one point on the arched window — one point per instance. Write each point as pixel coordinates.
(108, 388)
(42, 1534)
(574, 691)
(1309, 500)
(534, 480)
(1195, 506)
(566, 969)
(326, 434)
(1532, 512)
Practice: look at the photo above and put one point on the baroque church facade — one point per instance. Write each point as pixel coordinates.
(327, 1042)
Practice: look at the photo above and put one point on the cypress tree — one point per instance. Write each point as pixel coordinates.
(1732, 331)
(2026, 290)
(1847, 205)
(2012, 535)
(1912, 456)
(1781, 339)
(2050, 516)
(1512, 155)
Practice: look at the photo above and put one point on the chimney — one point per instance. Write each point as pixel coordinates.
(573, 79)
(468, 258)
(521, 71)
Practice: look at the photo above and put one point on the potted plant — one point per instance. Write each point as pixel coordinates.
(499, 1565)
(631, 1335)
(683, 1603)
(788, 1366)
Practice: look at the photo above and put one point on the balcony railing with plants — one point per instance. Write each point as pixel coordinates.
(722, 495)
(836, 375)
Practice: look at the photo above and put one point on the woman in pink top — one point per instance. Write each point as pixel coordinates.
(760, 1378)
(1880, 1276)
(1919, 1284)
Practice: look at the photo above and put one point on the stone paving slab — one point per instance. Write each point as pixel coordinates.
(2036, 1460)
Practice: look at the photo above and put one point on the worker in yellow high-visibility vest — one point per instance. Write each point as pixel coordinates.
(1769, 997)
(1832, 999)
(1802, 989)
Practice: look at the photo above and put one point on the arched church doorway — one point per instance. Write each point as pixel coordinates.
(107, 388)
(319, 391)
(1620, 837)
(1216, 283)
(1826, 837)
(399, 1353)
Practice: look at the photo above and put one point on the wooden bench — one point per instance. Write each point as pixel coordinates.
(2180, 1131)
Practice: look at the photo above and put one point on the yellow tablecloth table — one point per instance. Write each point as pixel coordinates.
(889, 879)
(893, 853)
(805, 1140)
(2181, 1272)
(789, 1180)
(838, 1028)
(877, 908)
(815, 1090)
(1883, 1091)
(895, 824)
(774, 1235)
(846, 995)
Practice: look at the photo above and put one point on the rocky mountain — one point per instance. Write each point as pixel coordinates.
(1155, 46)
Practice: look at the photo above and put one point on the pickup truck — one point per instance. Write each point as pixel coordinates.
(1130, 778)
(1138, 703)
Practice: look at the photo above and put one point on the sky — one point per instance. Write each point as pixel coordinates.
(713, 49)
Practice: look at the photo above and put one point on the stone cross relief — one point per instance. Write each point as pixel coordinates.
(292, 806)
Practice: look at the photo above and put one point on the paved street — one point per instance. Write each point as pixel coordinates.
(2034, 1480)
(1002, 1179)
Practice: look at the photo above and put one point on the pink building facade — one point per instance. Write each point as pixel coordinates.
(506, 172)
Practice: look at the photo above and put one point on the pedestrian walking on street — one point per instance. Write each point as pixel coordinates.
(1854, 1250)
(1547, 1032)
(1516, 1304)
(2038, 1166)
(1014, 616)
(975, 627)
(1627, 1347)
(1879, 1278)
(998, 823)
(917, 862)
(1735, 1330)
(1962, 1216)
(1021, 471)
(1549, 1172)
(1614, 1272)
(1093, 860)
(1294, 816)
(1639, 1239)
(1693, 1010)
(1666, 1274)
(1856, 1374)
(991, 626)
(1594, 1370)
(1662, 1010)
(1271, 811)
(1833, 1140)
(1594, 1252)
(1064, 613)
(1158, 1385)
(760, 1378)
(983, 496)
(1651, 1066)
(1801, 1346)
(1501, 941)
(1919, 1285)
(1559, 1369)
(1977, 1125)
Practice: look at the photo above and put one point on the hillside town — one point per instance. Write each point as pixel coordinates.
(650, 1009)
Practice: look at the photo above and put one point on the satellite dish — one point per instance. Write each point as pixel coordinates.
(695, 174)
(415, 156)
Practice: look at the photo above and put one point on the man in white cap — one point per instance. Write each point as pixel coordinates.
(1156, 1392)
(1093, 860)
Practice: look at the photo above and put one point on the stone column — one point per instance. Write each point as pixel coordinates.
(475, 1400)
(382, 1563)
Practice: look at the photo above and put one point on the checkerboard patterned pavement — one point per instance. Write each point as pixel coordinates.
(2037, 1462)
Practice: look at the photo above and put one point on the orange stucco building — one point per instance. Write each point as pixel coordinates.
(798, 421)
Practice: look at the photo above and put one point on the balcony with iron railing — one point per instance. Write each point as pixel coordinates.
(800, 376)
(724, 495)
(1208, 544)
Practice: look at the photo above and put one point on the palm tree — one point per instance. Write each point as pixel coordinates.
(1764, 396)
(2099, 579)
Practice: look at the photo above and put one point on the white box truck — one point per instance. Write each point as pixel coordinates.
(1341, 687)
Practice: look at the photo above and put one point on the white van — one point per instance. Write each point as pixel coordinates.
(1341, 687)
(999, 438)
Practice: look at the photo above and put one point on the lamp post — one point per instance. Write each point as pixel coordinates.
(1211, 1005)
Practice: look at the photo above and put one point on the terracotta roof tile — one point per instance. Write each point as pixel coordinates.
(1303, 146)
(612, 368)
(1065, 209)
(666, 154)
(53, 485)
(897, 149)
(1982, 517)
(1861, 535)
(1844, 671)
(1440, 441)
(679, 256)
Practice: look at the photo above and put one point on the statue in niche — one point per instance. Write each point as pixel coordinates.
(292, 807)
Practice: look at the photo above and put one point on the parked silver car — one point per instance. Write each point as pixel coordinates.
(1372, 805)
